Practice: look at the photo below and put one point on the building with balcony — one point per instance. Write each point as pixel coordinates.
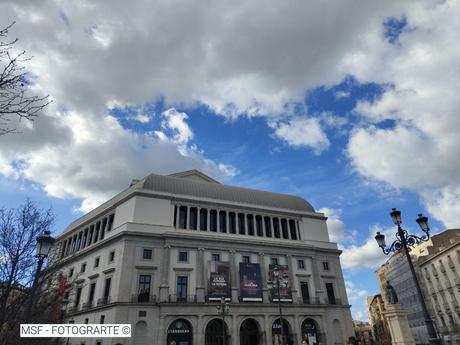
(441, 277)
(162, 254)
(377, 321)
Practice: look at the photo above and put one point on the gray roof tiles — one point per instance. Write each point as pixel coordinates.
(183, 186)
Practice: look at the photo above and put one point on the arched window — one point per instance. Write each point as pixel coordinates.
(140, 333)
(214, 333)
(179, 332)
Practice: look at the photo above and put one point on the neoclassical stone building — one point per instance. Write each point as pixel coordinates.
(162, 254)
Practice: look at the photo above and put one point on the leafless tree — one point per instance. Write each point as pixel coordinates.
(16, 101)
(19, 228)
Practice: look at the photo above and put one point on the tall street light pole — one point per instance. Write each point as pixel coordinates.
(404, 240)
(44, 244)
(276, 273)
(223, 309)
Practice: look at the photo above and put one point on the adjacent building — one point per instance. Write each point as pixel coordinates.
(162, 254)
(377, 321)
(441, 276)
(434, 263)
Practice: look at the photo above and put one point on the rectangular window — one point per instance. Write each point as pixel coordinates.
(241, 224)
(213, 220)
(193, 218)
(300, 264)
(71, 272)
(92, 290)
(78, 296)
(183, 217)
(203, 219)
(104, 222)
(144, 287)
(276, 227)
(108, 282)
(85, 235)
(96, 234)
(284, 228)
(110, 226)
(215, 257)
(175, 216)
(250, 218)
(91, 234)
(330, 293)
(86, 321)
(274, 261)
(305, 292)
(222, 221)
(83, 268)
(182, 282)
(232, 222)
(259, 229)
(147, 254)
(292, 229)
(268, 227)
(183, 256)
(112, 256)
(102, 319)
(96, 262)
(325, 265)
(246, 259)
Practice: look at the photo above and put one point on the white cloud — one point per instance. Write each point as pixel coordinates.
(365, 255)
(354, 293)
(342, 94)
(302, 132)
(174, 121)
(420, 151)
(142, 118)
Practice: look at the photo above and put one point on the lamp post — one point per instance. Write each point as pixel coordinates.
(276, 273)
(223, 309)
(404, 240)
(63, 309)
(44, 244)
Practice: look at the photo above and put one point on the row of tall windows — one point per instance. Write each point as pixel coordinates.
(194, 218)
(91, 294)
(145, 282)
(90, 235)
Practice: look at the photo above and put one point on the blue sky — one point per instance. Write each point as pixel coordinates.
(351, 106)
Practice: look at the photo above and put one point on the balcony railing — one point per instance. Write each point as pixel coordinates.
(310, 300)
(182, 298)
(103, 300)
(143, 298)
(87, 305)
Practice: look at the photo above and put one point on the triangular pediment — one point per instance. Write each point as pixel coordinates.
(194, 175)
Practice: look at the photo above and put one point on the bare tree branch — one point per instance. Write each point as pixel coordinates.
(15, 99)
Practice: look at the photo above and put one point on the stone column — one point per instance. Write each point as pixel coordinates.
(315, 277)
(263, 274)
(200, 276)
(399, 325)
(234, 333)
(164, 287)
(161, 330)
(290, 263)
(199, 331)
(268, 330)
(234, 276)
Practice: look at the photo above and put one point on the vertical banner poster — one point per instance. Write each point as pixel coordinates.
(285, 287)
(250, 282)
(219, 280)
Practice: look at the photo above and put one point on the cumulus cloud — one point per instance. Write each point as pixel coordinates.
(367, 254)
(420, 150)
(302, 132)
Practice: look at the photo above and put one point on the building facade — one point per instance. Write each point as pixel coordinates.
(162, 254)
(441, 277)
(378, 323)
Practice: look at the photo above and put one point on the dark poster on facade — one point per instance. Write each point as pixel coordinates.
(250, 282)
(285, 287)
(219, 280)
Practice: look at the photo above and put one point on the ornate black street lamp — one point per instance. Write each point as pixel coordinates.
(276, 274)
(223, 310)
(44, 244)
(404, 240)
